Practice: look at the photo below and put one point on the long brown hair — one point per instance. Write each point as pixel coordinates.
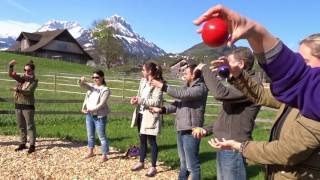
(155, 69)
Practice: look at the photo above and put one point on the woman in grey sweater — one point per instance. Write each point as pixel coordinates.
(96, 109)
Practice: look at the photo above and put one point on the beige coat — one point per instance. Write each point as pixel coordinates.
(295, 153)
(151, 122)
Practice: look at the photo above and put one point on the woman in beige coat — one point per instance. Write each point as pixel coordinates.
(148, 123)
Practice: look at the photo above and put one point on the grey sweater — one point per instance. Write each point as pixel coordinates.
(190, 104)
(236, 119)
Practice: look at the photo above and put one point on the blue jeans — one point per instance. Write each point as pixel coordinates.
(230, 165)
(94, 123)
(188, 149)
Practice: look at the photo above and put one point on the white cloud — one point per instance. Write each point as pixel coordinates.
(19, 6)
(14, 28)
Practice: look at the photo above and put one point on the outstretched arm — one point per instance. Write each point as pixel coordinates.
(293, 82)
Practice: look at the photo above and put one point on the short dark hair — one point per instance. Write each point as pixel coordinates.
(31, 65)
(245, 54)
(197, 73)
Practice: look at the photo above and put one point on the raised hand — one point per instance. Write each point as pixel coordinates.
(215, 64)
(241, 27)
(13, 62)
(82, 79)
(156, 83)
(134, 100)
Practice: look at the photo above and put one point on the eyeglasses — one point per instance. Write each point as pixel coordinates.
(27, 70)
(95, 77)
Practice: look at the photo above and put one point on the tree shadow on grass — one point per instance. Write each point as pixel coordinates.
(254, 170)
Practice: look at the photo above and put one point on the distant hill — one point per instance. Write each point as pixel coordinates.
(203, 53)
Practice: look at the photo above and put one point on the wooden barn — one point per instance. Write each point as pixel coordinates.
(57, 44)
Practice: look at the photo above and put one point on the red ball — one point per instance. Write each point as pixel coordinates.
(215, 32)
(13, 74)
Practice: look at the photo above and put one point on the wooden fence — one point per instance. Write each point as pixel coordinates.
(123, 98)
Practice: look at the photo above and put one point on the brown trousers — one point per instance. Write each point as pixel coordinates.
(25, 120)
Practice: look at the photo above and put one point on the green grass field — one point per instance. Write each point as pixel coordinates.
(121, 136)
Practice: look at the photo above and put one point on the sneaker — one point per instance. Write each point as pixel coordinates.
(104, 158)
(151, 172)
(20, 147)
(89, 155)
(32, 149)
(137, 166)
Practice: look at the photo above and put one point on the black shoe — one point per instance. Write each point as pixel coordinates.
(20, 147)
(32, 149)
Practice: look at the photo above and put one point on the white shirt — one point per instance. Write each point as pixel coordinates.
(145, 94)
(93, 98)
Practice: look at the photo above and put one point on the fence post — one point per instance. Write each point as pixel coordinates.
(55, 82)
(123, 86)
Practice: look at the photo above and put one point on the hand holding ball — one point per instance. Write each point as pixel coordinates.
(223, 71)
(13, 74)
(215, 32)
(198, 132)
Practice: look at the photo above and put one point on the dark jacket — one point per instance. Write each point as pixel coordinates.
(190, 104)
(294, 148)
(236, 119)
(26, 86)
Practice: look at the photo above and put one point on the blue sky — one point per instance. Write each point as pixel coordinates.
(168, 23)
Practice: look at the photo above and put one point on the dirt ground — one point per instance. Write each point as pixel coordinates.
(59, 159)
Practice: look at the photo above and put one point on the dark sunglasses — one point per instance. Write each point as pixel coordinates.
(27, 70)
(95, 77)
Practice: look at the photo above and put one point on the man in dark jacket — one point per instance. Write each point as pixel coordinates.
(236, 119)
(189, 108)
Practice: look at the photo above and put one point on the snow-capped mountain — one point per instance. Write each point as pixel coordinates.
(133, 42)
(6, 42)
(82, 35)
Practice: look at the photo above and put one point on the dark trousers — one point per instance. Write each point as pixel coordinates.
(25, 120)
(143, 144)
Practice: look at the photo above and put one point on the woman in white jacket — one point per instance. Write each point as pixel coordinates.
(148, 123)
(96, 109)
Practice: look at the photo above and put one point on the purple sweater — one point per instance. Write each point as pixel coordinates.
(293, 82)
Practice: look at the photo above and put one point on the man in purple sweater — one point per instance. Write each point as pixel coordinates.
(293, 82)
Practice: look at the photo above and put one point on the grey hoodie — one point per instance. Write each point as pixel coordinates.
(190, 104)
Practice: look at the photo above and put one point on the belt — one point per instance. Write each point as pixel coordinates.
(184, 132)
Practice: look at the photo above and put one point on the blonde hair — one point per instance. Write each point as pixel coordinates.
(313, 41)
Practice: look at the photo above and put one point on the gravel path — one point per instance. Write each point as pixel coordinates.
(58, 159)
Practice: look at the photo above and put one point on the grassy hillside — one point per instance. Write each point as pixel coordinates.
(120, 134)
(205, 53)
(43, 65)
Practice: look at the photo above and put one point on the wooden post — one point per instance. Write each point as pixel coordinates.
(123, 87)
